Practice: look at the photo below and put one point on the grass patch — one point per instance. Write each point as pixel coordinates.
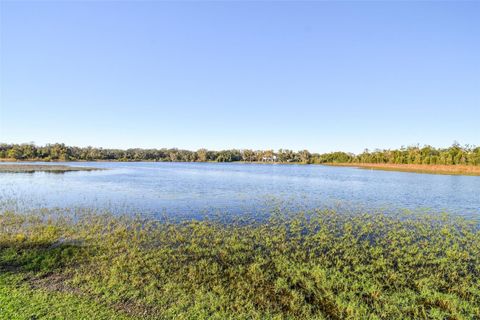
(18, 301)
(313, 265)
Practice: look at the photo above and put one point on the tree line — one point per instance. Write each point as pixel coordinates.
(455, 154)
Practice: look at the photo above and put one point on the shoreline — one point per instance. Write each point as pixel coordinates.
(149, 161)
(463, 170)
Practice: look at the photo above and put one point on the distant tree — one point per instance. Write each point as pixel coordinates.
(224, 156)
(202, 155)
(456, 154)
(15, 153)
(304, 156)
(248, 155)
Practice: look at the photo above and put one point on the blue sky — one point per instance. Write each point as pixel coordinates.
(323, 76)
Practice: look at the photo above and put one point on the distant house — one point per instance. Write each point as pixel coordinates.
(270, 159)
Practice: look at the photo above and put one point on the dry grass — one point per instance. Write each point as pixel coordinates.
(419, 168)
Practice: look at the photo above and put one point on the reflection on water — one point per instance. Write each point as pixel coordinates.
(235, 188)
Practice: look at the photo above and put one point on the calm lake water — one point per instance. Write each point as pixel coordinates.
(191, 188)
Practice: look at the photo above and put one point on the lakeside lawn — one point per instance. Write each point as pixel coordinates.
(314, 265)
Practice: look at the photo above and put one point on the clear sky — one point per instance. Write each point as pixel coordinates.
(323, 76)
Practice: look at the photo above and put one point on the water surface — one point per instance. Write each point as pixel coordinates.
(189, 188)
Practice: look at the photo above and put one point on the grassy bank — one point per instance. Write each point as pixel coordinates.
(418, 168)
(30, 168)
(316, 265)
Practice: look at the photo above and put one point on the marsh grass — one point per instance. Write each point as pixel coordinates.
(464, 170)
(309, 265)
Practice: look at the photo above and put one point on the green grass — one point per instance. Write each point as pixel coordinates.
(314, 265)
(19, 301)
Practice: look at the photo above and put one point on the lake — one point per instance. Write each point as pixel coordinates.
(193, 188)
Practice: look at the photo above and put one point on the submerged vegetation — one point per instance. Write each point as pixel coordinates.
(454, 155)
(30, 168)
(311, 265)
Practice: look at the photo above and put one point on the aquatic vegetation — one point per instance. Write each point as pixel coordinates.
(31, 168)
(309, 265)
